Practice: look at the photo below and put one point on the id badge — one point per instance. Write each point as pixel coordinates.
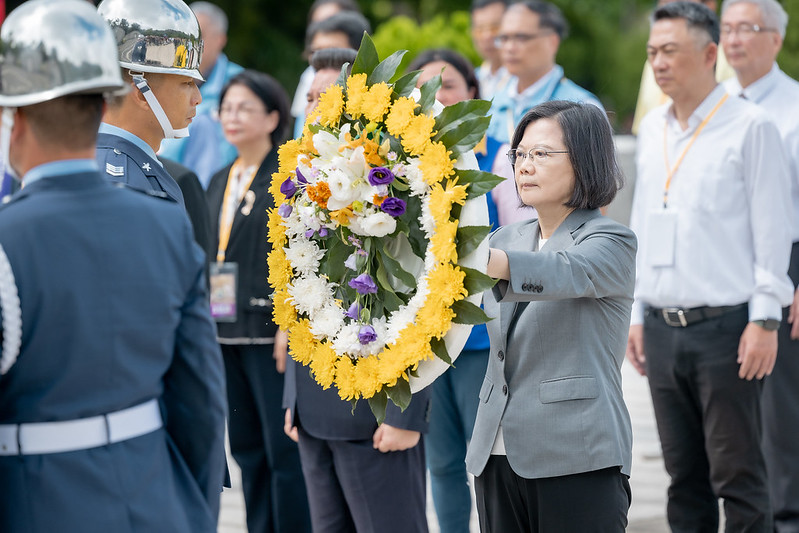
(661, 238)
(224, 280)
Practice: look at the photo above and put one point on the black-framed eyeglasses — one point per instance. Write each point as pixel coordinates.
(538, 155)
(744, 30)
(521, 38)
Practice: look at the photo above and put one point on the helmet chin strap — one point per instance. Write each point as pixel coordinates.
(5, 140)
(158, 111)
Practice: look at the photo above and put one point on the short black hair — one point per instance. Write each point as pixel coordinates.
(332, 58)
(698, 16)
(480, 4)
(589, 141)
(343, 5)
(452, 57)
(549, 16)
(268, 91)
(350, 23)
(69, 121)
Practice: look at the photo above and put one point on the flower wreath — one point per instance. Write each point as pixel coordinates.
(366, 239)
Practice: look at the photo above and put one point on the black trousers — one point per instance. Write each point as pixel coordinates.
(709, 425)
(590, 502)
(780, 409)
(271, 475)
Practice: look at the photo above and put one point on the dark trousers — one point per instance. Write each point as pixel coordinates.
(271, 475)
(780, 409)
(590, 502)
(709, 425)
(354, 488)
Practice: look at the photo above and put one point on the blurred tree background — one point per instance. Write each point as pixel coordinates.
(604, 52)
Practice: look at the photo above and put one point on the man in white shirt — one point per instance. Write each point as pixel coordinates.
(712, 214)
(752, 33)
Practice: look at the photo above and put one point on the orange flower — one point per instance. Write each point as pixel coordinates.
(378, 200)
(342, 216)
(319, 193)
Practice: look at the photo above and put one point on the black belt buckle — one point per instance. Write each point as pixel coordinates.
(674, 317)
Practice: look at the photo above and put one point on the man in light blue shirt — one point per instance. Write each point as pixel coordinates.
(206, 151)
(528, 39)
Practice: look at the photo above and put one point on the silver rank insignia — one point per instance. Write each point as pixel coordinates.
(146, 167)
(111, 170)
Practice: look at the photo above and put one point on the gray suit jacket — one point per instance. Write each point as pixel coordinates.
(557, 343)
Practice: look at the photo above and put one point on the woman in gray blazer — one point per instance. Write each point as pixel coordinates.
(551, 448)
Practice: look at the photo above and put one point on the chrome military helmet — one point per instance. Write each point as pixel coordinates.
(51, 48)
(155, 35)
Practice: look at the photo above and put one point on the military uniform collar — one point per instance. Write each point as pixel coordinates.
(108, 129)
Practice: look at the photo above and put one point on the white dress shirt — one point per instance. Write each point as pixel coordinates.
(778, 94)
(731, 200)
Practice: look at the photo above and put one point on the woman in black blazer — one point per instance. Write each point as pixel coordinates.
(254, 116)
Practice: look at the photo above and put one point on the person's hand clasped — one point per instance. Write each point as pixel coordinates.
(390, 439)
(280, 351)
(635, 348)
(757, 352)
(289, 429)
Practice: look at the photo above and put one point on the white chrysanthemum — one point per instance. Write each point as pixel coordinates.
(294, 224)
(416, 182)
(347, 340)
(310, 294)
(427, 221)
(327, 321)
(377, 224)
(304, 256)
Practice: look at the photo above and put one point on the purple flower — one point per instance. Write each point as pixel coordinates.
(354, 311)
(367, 334)
(300, 178)
(323, 232)
(393, 206)
(380, 176)
(355, 241)
(309, 233)
(364, 284)
(288, 188)
(284, 210)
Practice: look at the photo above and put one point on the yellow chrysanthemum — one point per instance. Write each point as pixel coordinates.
(356, 93)
(416, 138)
(301, 342)
(443, 196)
(442, 243)
(287, 155)
(314, 117)
(446, 282)
(435, 319)
(274, 187)
(400, 116)
(345, 379)
(284, 314)
(377, 101)
(323, 364)
(435, 163)
(331, 104)
(367, 376)
(277, 231)
(279, 268)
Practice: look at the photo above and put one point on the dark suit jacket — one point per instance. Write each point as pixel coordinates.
(194, 196)
(114, 313)
(248, 247)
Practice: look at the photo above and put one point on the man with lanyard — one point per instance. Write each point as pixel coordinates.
(712, 214)
(112, 395)
(160, 58)
(752, 32)
(206, 151)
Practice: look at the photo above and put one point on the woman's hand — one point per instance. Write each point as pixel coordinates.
(498, 266)
(390, 439)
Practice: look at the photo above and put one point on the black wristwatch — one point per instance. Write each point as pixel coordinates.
(769, 324)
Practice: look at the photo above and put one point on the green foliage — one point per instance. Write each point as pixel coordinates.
(789, 57)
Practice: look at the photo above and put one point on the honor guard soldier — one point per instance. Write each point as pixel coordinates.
(159, 49)
(112, 392)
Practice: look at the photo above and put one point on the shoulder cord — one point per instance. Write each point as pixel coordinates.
(12, 314)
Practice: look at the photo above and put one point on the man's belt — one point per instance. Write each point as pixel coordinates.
(80, 434)
(681, 317)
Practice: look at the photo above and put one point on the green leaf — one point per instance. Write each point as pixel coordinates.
(429, 90)
(395, 269)
(377, 404)
(468, 313)
(439, 348)
(386, 69)
(470, 237)
(400, 393)
(333, 265)
(465, 136)
(342, 76)
(407, 83)
(390, 301)
(479, 182)
(367, 59)
(399, 185)
(416, 237)
(455, 114)
(475, 281)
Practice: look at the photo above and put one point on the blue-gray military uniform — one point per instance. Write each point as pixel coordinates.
(125, 158)
(112, 404)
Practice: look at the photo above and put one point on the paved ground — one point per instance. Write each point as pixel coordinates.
(648, 479)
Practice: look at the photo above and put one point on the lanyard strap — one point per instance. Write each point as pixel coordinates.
(225, 220)
(670, 171)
